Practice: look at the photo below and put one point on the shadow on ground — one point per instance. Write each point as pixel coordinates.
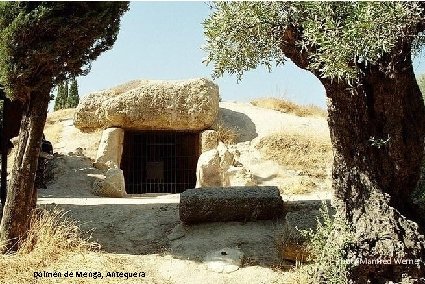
(155, 228)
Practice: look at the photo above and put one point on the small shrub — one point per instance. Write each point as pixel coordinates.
(287, 106)
(51, 237)
(326, 249)
(53, 230)
(226, 134)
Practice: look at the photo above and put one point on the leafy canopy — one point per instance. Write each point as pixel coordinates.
(44, 43)
(338, 36)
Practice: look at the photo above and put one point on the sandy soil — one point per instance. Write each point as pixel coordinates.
(254, 123)
(143, 233)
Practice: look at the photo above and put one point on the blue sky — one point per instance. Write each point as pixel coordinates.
(162, 40)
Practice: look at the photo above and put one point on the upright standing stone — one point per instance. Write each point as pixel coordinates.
(110, 147)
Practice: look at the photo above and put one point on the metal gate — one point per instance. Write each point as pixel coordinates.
(159, 162)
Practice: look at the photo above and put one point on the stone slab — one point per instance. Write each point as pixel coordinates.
(222, 204)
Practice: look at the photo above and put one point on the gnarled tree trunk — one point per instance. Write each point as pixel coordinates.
(377, 131)
(21, 194)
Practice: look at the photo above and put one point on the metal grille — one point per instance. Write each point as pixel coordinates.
(160, 162)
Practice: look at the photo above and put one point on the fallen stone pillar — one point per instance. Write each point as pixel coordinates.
(230, 204)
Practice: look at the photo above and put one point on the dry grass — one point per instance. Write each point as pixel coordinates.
(302, 185)
(287, 106)
(52, 237)
(226, 134)
(60, 115)
(53, 132)
(309, 155)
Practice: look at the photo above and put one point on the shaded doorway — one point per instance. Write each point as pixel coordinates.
(159, 162)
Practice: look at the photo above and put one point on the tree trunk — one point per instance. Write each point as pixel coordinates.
(377, 132)
(20, 194)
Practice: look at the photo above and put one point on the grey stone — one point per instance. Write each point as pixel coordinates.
(230, 204)
(113, 185)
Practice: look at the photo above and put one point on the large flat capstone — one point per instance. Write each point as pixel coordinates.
(187, 105)
(230, 204)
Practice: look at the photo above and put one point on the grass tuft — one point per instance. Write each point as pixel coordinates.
(51, 237)
(53, 232)
(226, 134)
(326, 251)
(287, 106)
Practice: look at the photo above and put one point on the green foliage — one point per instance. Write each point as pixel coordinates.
(59, 102)
(58, 98)
(349, 35)
(73, 97)
(65, 95)
(327, 247)
(62, 96)
(340, 38)
(239, 36)
(44, 43)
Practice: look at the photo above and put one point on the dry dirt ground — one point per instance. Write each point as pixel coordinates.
(143, 233)
(255, 123)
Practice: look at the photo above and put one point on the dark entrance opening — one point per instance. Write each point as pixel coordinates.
(159, 162)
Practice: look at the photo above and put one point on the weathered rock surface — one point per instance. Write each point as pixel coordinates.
(112, 186)
(151, 105)
(208, 172)
(230, 204)
(209, 140)
(240, 176)
(212, 167)
(110, 147)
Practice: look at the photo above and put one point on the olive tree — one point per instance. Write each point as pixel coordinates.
(362, 54)
(42, 44)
